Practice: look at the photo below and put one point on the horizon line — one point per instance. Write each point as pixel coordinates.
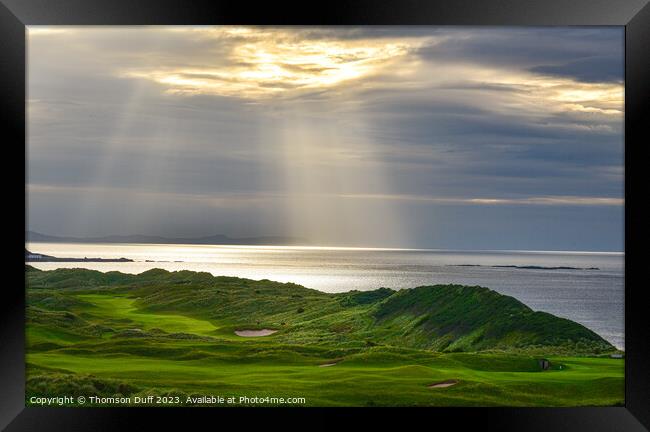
(351, 248)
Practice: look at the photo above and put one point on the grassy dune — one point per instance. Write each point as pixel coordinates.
(161, 333)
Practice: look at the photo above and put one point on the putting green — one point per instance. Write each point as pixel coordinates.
(117, 307)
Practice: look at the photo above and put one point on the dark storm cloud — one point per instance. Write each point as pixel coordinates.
(475, 147)
(529, 48)
(590, 69)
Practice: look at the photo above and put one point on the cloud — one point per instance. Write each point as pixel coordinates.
(590, 69)
(267, 63)
(538, 200)
(367, 121)
(525, 47)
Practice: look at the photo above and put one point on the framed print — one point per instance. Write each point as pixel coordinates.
(367, 209)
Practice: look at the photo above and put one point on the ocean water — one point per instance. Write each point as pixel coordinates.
(594, 298)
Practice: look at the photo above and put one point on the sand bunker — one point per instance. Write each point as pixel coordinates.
(332, 362)
(443, 384)
(254, 333)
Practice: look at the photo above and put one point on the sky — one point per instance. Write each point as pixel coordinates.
(426, 137)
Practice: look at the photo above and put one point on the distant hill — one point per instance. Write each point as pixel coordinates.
(443, 318)
(217, 239)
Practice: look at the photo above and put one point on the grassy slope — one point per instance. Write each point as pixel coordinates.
(172, 333)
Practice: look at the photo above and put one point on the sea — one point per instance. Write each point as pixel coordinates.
(588, 288)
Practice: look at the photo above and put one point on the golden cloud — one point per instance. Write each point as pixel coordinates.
(266, 63)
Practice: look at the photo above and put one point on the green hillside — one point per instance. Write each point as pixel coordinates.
(174, 333)
(462, 318)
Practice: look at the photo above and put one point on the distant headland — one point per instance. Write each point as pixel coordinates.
(217, 239)
(36, 257)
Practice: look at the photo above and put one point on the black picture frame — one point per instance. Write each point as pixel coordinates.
(633, 14)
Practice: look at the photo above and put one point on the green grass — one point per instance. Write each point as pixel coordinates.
(107, 334)
(122, 308)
